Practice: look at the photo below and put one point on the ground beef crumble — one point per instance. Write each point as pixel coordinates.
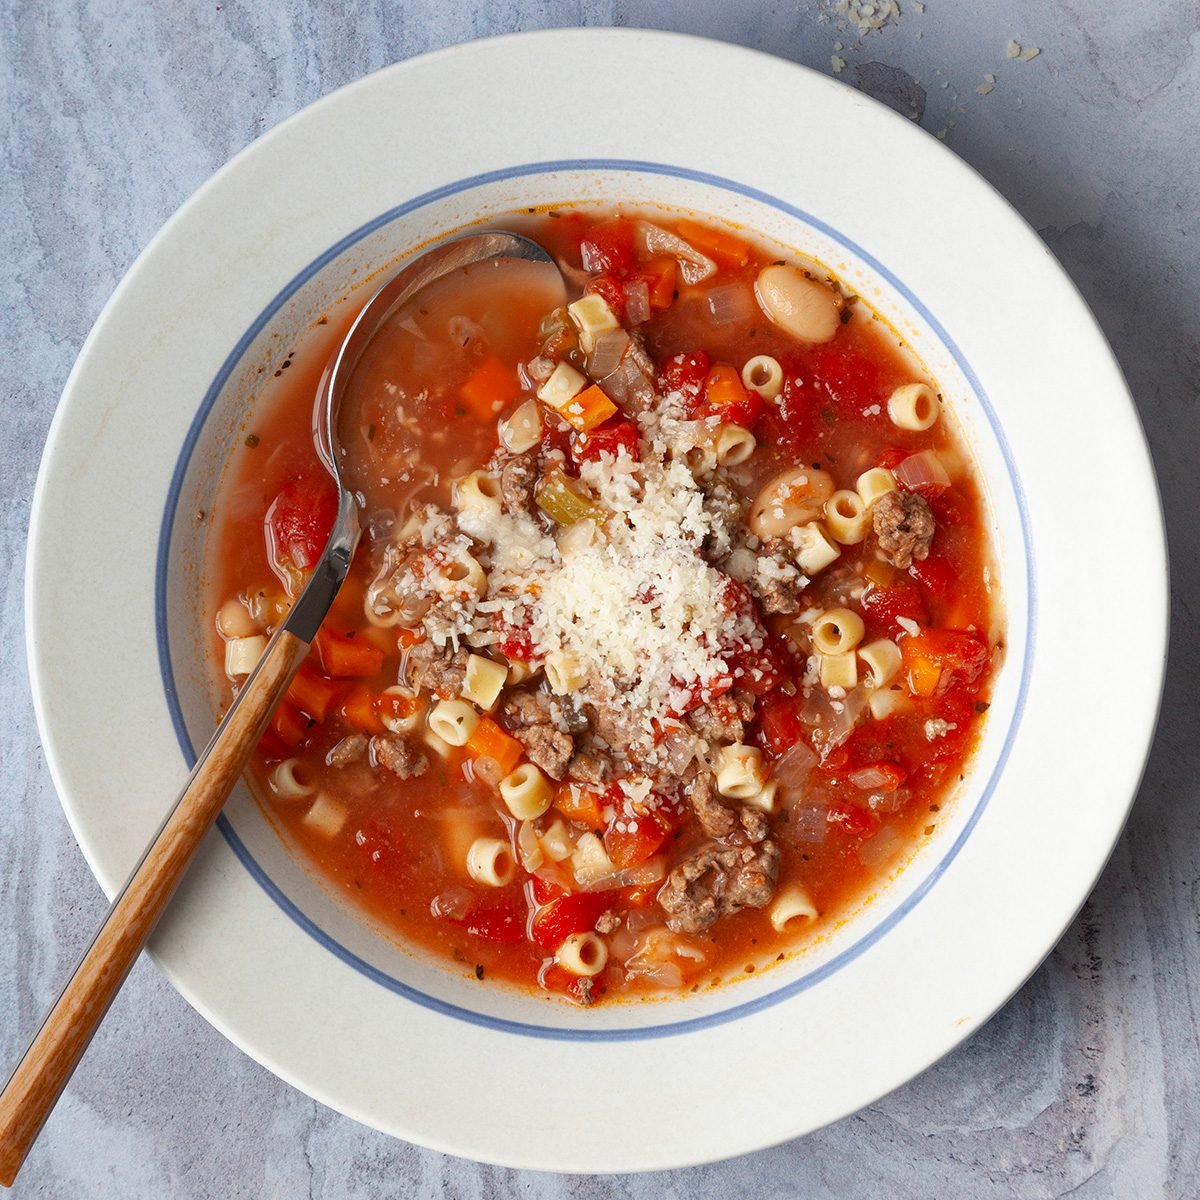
(394, 754)
(717, 880)
(904, 527)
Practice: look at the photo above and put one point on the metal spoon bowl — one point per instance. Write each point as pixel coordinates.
(47, 1064)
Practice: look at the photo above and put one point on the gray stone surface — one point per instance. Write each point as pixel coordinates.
(1088, 1082)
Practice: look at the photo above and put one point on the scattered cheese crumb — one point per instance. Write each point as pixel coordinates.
(984, 88)
(1012, 50)
(838, 64)
(1030, 53)
(868, 15)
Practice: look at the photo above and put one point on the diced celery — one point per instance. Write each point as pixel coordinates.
(563, 503)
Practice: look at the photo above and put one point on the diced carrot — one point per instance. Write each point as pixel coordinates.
(489, 388)
(724, 388)
(358, 710)
(290, 725)
(659, 274)
(724, 248)
(490, 741)
(923, 672)
(579, 803)
(879, 572)
(588, 409)
(346, 656)
(312, 692)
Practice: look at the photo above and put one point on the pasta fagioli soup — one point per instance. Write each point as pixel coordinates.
(672, 628)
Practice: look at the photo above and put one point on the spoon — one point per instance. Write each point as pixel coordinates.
(39, 1078)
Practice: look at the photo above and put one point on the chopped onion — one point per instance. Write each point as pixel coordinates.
(529, 847)
(733, 302)
(873, 776)
(636, 390)
(650, 871)
(792, 770)
(453, 903)
(881, 848)
(381, 524)
(607, 353)
(665, 974)
(637, 302)
(889, 802)
(652, 240)
(921, 470)
(679, 750)
(576, 537)
(832, 721)
(463, 331)
(810, 823)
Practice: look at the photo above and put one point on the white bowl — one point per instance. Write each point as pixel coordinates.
(159, 395)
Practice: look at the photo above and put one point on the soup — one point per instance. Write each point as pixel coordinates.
(672, 627)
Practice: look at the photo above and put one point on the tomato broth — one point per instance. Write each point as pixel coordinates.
(672, 628)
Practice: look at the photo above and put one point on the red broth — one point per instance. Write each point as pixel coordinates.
(696, 827)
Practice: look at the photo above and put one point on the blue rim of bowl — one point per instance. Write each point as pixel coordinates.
(242, 852)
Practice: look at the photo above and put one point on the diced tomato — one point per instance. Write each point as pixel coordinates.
(300, 519)
(696, 693)
(957, 708)
(576, 912)
(347, 656)
(608, 247)
(892, 457)
(290, 725)
(616, 437)
(726, 397)
(556, 436)
(515, 642)
(852, 380)
(543, 891)
(360, 709)
(949, 507)
(628, 847)
(852, 820)
(312, 692)
(778, 722)
(935, 574)
(763, 670)
(796, 418)
(659, 275)
(612, 291)
(501, 923)
(685, 373)
(900, 599)
(271, 745)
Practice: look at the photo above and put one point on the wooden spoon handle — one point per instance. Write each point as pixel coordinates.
(40, 1076)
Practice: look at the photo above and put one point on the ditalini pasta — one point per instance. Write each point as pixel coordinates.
(673, 619)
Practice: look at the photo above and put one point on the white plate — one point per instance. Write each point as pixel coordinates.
(158, 395)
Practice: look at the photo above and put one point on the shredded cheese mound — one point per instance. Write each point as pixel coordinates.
(648, 618)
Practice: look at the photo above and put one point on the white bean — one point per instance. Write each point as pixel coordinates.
(793, 497)
(802, 307)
